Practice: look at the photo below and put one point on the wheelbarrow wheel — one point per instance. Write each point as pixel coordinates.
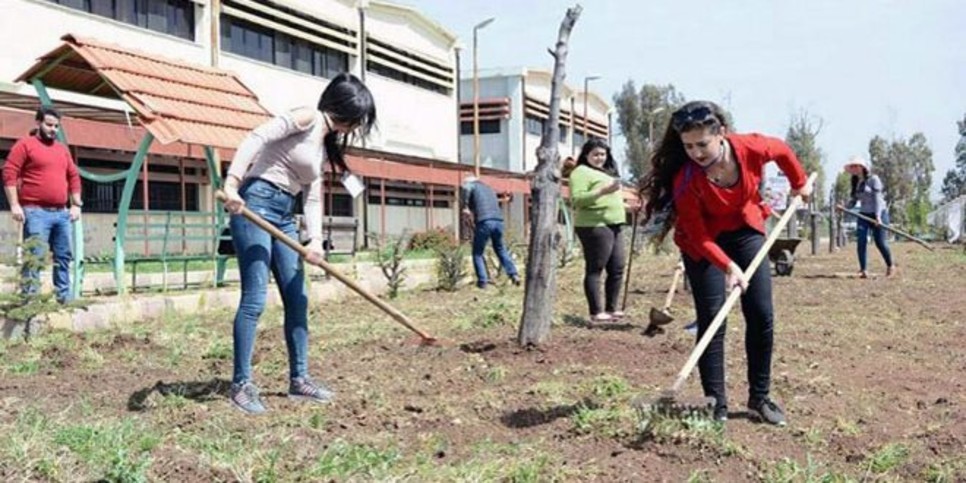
(785, 263)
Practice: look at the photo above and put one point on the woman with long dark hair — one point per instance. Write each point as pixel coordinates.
(599, 214)
(704, 181)
(278, 161)
(868, 193)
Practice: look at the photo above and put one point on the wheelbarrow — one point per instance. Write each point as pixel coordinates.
(782, 255)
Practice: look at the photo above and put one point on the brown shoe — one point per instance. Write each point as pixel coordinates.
(863, 274)
(891, 271)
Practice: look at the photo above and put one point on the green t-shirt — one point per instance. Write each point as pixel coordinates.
(589, 209)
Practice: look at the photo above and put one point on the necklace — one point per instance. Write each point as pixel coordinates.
(722, 178)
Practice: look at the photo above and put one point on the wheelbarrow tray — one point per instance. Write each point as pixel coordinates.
(782, 255)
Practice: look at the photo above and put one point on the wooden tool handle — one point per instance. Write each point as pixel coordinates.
(630, 260)
(19, 229)
(736, 292)
(887, 227)
(304, 253)
(674, 286)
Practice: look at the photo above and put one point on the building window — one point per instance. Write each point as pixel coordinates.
(172, 17)
(578, 138)
(489, 126)
(162, 196)
(399, 64)
(534, 125)
(400, 76)
(341, 205)
(264, 44)
(563, 133)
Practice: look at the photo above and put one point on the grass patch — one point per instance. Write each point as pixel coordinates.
(605, 421)
(609, 387)
(887, 458)
(343, 461)
(115, 451)
(498, 313)
(788, 471)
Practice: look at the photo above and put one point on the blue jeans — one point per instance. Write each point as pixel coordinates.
(488, 230)
(878, 235)
(257, 251)
(49, 227)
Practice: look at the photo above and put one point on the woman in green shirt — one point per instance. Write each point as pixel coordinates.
(595, 191)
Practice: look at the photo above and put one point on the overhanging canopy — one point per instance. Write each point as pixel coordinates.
(174, 100)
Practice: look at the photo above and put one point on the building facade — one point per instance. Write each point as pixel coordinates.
(514, 106)
(285, 51)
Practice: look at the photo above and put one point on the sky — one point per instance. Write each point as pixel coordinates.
(860, 68)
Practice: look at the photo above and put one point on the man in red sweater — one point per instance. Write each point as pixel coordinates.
(38, 179)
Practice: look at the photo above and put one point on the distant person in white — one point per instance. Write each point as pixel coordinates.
(869, 193)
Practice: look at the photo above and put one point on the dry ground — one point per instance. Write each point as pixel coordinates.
(870, 373)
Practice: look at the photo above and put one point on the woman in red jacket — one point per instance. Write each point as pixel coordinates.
(705, 182)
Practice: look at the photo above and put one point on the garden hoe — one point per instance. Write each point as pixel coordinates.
(662, 316)
(887, 227)
(426, 339)
(667, 404)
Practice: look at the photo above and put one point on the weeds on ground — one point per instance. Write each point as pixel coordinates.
(390, 252)
(791, 471)
(887, 458)
(344, 461)
(450, 267)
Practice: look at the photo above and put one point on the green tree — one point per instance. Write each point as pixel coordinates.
(921, 169)
(954, 183)
(842, 191)
(802, 137)
(642, 116)
(905, 168)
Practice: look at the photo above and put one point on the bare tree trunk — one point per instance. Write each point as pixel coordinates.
(541, 280)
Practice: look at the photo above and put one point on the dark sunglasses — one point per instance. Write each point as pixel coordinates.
(700, 115)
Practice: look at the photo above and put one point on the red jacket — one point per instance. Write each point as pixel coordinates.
(45, 173)
(704, 210)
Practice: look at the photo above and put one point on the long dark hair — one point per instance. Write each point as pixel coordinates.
(856, 179)
(609, 167)
(657, 187)
(346, 101)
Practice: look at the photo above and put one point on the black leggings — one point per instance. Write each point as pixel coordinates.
(603, 248)
(707, 287)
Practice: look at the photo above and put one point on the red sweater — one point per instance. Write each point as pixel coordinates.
(44, 172)
(705, 210)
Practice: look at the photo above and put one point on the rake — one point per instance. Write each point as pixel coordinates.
(668, 404)
(425, 339)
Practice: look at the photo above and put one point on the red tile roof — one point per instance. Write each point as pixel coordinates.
(174, 100)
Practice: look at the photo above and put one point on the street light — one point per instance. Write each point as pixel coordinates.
(476, 99)
(587, 81)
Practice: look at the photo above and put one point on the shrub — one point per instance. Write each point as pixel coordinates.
(450, 266)
(432, 239)
(390, 252)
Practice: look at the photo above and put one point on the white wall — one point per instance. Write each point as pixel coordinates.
(412, 120)
(24, 41)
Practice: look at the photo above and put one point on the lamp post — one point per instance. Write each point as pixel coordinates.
(476, 99)
(586, 82)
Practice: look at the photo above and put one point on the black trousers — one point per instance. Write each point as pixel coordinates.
(707, 287)
(603, 248)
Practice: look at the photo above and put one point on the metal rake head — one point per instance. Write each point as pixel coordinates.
(667, 406)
